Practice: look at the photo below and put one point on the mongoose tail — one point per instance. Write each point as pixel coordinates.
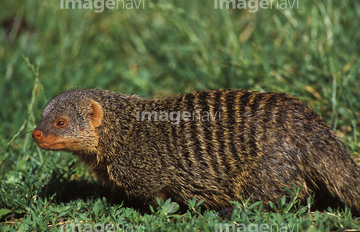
(329, 162)
(322, 158)
(332, 165)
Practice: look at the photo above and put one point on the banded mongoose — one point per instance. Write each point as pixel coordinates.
(217, 145)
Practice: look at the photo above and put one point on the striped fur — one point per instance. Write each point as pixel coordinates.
(258, 144)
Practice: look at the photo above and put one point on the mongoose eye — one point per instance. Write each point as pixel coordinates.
(60, 123)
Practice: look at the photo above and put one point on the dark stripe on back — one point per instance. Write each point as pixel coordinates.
(231, 125)
(189, 133)
(178, 133)
(213, 140)
(197, 126)
(219, 103)
(255, 125)
(243, 99)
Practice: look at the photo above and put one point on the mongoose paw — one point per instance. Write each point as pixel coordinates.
(226, 213)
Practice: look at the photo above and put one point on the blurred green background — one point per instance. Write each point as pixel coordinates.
(173, 47)
(168, 48)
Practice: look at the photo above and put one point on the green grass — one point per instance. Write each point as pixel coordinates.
(170, 47)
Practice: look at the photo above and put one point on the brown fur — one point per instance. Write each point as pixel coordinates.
(261, 143)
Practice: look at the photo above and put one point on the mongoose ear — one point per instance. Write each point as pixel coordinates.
(96, 114)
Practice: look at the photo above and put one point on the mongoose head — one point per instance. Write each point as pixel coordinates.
(69, 122)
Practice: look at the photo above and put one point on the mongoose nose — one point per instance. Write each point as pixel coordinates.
(37, 135)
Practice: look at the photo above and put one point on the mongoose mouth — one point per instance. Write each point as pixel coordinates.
(50, 142)
(54, 146)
